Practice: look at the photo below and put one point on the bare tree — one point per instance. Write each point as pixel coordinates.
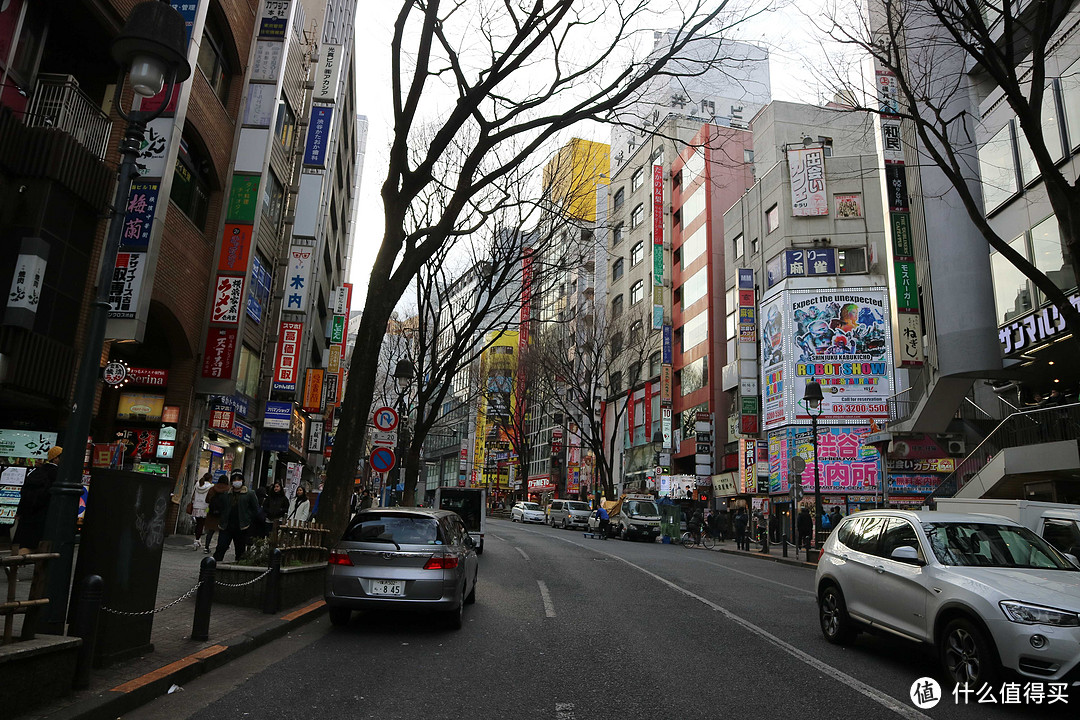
(937, 50)
(517, 75)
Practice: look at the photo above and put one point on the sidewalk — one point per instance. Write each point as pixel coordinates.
(176, 659)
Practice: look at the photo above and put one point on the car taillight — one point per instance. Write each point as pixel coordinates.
(441, 562)
(339, 557)
(821, 553)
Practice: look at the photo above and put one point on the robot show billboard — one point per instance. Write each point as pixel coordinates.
(841, 339)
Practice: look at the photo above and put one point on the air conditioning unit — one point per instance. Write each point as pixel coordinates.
(957, 447)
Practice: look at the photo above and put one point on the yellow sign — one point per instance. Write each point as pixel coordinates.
(335, 360)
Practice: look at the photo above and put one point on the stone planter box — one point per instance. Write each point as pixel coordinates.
(298, 584)
(36, 671)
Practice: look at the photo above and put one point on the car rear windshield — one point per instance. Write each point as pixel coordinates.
(578, 506)
(389, 528)
(991, 545)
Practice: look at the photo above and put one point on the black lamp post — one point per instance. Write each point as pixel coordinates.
(403, 373)
(658, 443)
(152, 52)
(813, 397)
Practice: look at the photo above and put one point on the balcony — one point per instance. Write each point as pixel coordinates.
(59, 103)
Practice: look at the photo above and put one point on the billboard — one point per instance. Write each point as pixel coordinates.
(808, 194)
(845, 464)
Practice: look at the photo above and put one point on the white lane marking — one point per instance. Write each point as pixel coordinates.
(887, 701)
(549, 607)
(522, 552)
(564, 711)
(496, 537)
(764, 579)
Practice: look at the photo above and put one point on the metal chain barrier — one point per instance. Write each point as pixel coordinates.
(249, 582)
(177, 601)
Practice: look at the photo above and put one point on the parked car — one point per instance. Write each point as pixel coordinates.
(524, 512)
(985, 591)
(568, 514)
(416, 558)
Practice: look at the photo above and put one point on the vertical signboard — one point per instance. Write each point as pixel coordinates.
(773, 348)
(286, 365)
(808, 193)
(658, 245)
(297, 278)
(313, 390)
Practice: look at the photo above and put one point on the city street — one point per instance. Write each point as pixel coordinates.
(570, 627)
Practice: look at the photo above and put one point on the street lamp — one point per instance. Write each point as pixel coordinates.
(152, 52)
(658, 443)
(813, 397)
(403, 374)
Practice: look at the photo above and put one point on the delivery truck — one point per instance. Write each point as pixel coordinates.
(1056, 523)
(470, 504)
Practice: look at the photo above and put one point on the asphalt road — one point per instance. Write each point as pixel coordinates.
(567, 627)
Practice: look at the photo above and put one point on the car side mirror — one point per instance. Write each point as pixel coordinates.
(907, 554)
(1071, 556)
(469, 542)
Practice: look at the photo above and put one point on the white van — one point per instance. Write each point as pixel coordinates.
(568, 514)
(1056, 523)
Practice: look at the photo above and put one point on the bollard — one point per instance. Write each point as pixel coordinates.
(765, 542)
(204, 599)
(783, 545)
(272, 596)
(86, 627)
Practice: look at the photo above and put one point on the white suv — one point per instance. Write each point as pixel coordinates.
(986, 592)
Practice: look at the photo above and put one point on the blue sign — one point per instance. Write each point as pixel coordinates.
(259, 289)
(666, 359)
(382, 459)
(187, 10)
(794, 263)
(821, 262)
(746, 279)
(241, 431)
(275, 441)
(277, 415)
(318, 136)
(237, 403)
(139, 217)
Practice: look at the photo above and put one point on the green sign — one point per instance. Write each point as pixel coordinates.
(749, 405)
(907, 287)
(901, 235)
(243, 198)
(337, 330)
(658, 265)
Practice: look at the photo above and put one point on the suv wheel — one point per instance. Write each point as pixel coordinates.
(837, 627)
(967, 655)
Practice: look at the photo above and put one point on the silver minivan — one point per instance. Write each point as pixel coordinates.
(402, 558)
(568, 514)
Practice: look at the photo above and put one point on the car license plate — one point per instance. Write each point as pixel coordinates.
(387, 587)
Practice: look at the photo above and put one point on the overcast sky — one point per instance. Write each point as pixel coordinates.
(786, 33)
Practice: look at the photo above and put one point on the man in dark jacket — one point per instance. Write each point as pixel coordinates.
(740, 522)
(834, 518)
(34, 504)
(239, 509)
(805, 527)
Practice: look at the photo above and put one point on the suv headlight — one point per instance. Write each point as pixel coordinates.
(1028, 614)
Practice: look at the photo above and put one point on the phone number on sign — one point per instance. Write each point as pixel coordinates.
(865, 408)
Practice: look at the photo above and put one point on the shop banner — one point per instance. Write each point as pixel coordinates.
(846, 464)
(296, 288)
(277, 415)
(219, 353)
(228, 292)
(285, 369)
(318, 136)
(808, 193)
(126, 284)
(772, 362)
(315, 435)
(235, 247)
(28, 444)
(313, 390)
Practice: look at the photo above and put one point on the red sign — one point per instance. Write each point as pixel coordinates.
(148, 376)
(235, 248)
(288, 351)
(228, 299)
(219, 353)
(749, 425)
(170, 414)
(222, 420)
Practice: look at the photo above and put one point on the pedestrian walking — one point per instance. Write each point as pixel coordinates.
(834, 517)
(804, 525)
(240, 509)
(740, 523)
(198, 506)
(34, 504)
(713, 523)
(301, 506)
(213, 509)
(276, 505)
(365, 500)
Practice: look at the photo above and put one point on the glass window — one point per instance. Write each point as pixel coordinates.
(736, 246)
(638, 179)
(637, 216)
(1051, 136)
(693, 246)
(191, 183)
(1012, 294)
(1047, 254)
(247, 380)
(1070, 99)
(654, 364)
(693, 167)
(637, 292)
(695, 287)
(695, 330)
(694, 376)
(864, 536)
(617, 234)
(273, 197)
(616, 381)
(772, 219)
(637, 253)
(620, 197)
(285, 129)
(898, 533)
(729, 327)
(1062, 534)
(393, 529)
(997, 169)
(851, 260)
(990, 545)
(616, 307)
(212, 61)
(693, 206)
(616, 269)
(754, 246)
(636, 331)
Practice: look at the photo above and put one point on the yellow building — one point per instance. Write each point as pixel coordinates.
(575, 173)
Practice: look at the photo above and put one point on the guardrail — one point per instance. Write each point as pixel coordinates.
(58, 102)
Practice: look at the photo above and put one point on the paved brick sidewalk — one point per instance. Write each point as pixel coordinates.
(176, 658)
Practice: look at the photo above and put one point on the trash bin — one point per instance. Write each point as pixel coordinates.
(122, 539)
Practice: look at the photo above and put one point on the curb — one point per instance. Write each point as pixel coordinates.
(773, 558)
(113, 703)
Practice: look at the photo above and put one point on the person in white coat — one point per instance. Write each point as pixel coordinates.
(199, 505)
(300, 507)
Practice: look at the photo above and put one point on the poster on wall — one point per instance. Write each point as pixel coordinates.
(772, 361)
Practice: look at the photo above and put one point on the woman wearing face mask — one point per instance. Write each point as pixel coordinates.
(239, 509)
(301, 507)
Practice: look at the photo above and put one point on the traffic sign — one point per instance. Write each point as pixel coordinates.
(382, 459)
(385, 418)
(386, 439)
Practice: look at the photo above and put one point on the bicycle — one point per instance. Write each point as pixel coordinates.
(704, 539)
